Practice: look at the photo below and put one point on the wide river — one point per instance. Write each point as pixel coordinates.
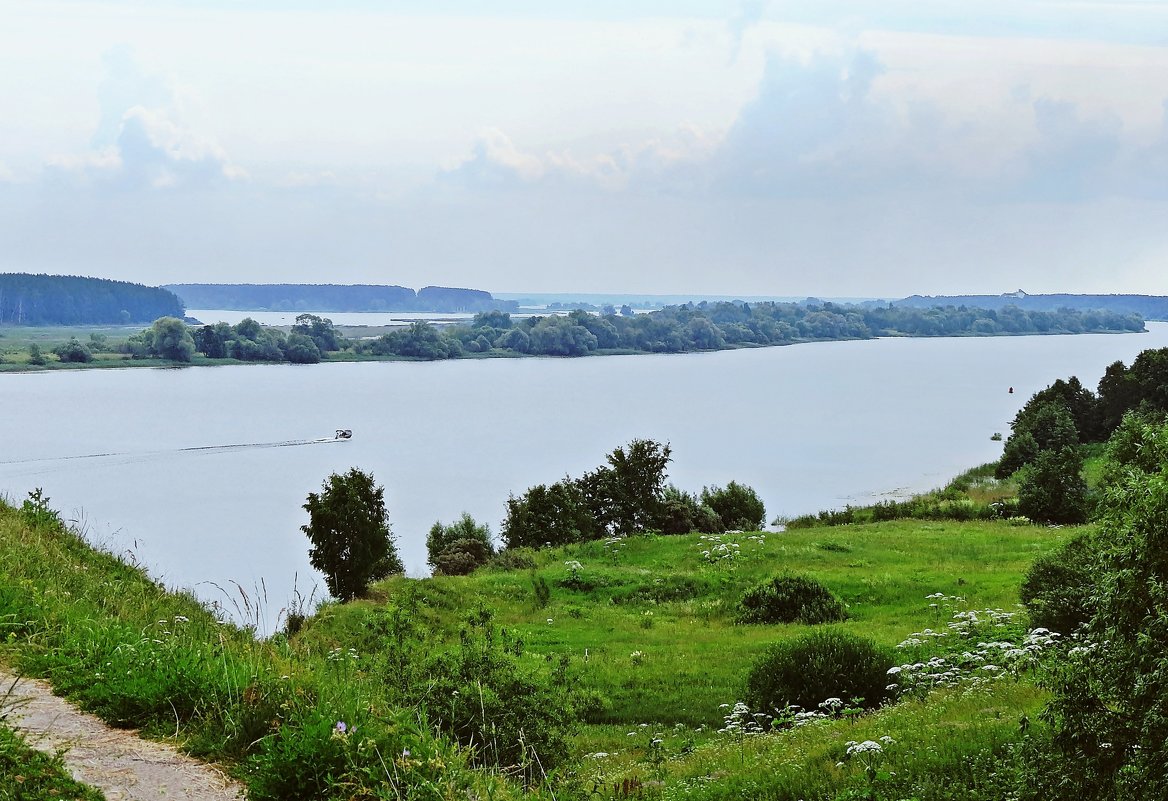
(201, 473)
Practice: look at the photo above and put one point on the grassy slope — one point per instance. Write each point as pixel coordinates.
(111, 638)
(693, 655)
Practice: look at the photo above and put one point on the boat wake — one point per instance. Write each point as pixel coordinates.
(241, 446)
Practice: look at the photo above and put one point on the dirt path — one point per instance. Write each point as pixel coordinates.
(117, 762)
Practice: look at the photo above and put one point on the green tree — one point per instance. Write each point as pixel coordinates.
(1042, 425)
(213, 340)
(1109, 710)
(171, 339)
(635, 485)
(320, 330)
(553, 514)
(301, 349)
(349, 531)
(1052, 489)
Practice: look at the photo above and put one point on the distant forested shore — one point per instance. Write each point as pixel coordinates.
(675, 329)
(337, 298)
(27, 299)
(1149, 307)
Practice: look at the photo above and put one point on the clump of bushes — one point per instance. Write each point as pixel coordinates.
(822, 664)
(1059, 587)
(684, 513)
(737, 505)
(459, 548)
(791, 599)
(73, 351)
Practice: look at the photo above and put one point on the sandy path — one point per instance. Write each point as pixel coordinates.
(116, 761)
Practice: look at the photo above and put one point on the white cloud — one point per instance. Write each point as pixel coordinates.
(496, 162)
(140, 141)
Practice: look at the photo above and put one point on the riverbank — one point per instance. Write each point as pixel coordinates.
(104, 343)
(643, 628)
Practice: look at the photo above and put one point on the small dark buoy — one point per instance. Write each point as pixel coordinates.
(1011, 390)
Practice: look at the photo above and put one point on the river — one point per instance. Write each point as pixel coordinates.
(200, 473)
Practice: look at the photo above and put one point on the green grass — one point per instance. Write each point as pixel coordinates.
(137, 655)
(647, 622)
(27, 774)
(659, 596)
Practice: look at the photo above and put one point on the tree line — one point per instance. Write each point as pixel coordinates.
(352, 545)
(674, 329)
(717, 326)
(1044, 447)
(27, 299)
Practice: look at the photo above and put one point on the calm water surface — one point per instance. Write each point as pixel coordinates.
(198, 482)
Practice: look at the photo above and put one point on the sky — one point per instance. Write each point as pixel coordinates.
(791, 147)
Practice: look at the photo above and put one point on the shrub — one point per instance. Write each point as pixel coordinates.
(823, 664)
(513, 559)
(486, 697)
(461, 558)
(73, 351)
(1058, 589)
(35, 356)
(666, 589)
(791, 599)
(459, 548)
(738, 506)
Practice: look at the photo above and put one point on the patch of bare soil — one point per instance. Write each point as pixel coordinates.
(116, 761)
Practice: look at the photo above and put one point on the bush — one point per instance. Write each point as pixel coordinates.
(35, 356)
(513, 559)
(462, 557)
(683, 513)
(738, 506)
(1058, 589)
(823, 664)
(73, 351)
(460, 547)
(791, 599)
(485, 695)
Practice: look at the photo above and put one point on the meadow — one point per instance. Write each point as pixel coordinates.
(641, 628)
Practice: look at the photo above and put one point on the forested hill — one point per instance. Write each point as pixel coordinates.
(27, 299)
(336, 298)
(1149, 307)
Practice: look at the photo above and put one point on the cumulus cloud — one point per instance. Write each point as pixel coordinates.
(823, 129)
(140, 141)
(750, 13)
(496, 162)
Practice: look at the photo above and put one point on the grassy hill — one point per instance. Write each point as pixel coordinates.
(644, 629)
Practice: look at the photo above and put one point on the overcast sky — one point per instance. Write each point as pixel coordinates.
(808, 147)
